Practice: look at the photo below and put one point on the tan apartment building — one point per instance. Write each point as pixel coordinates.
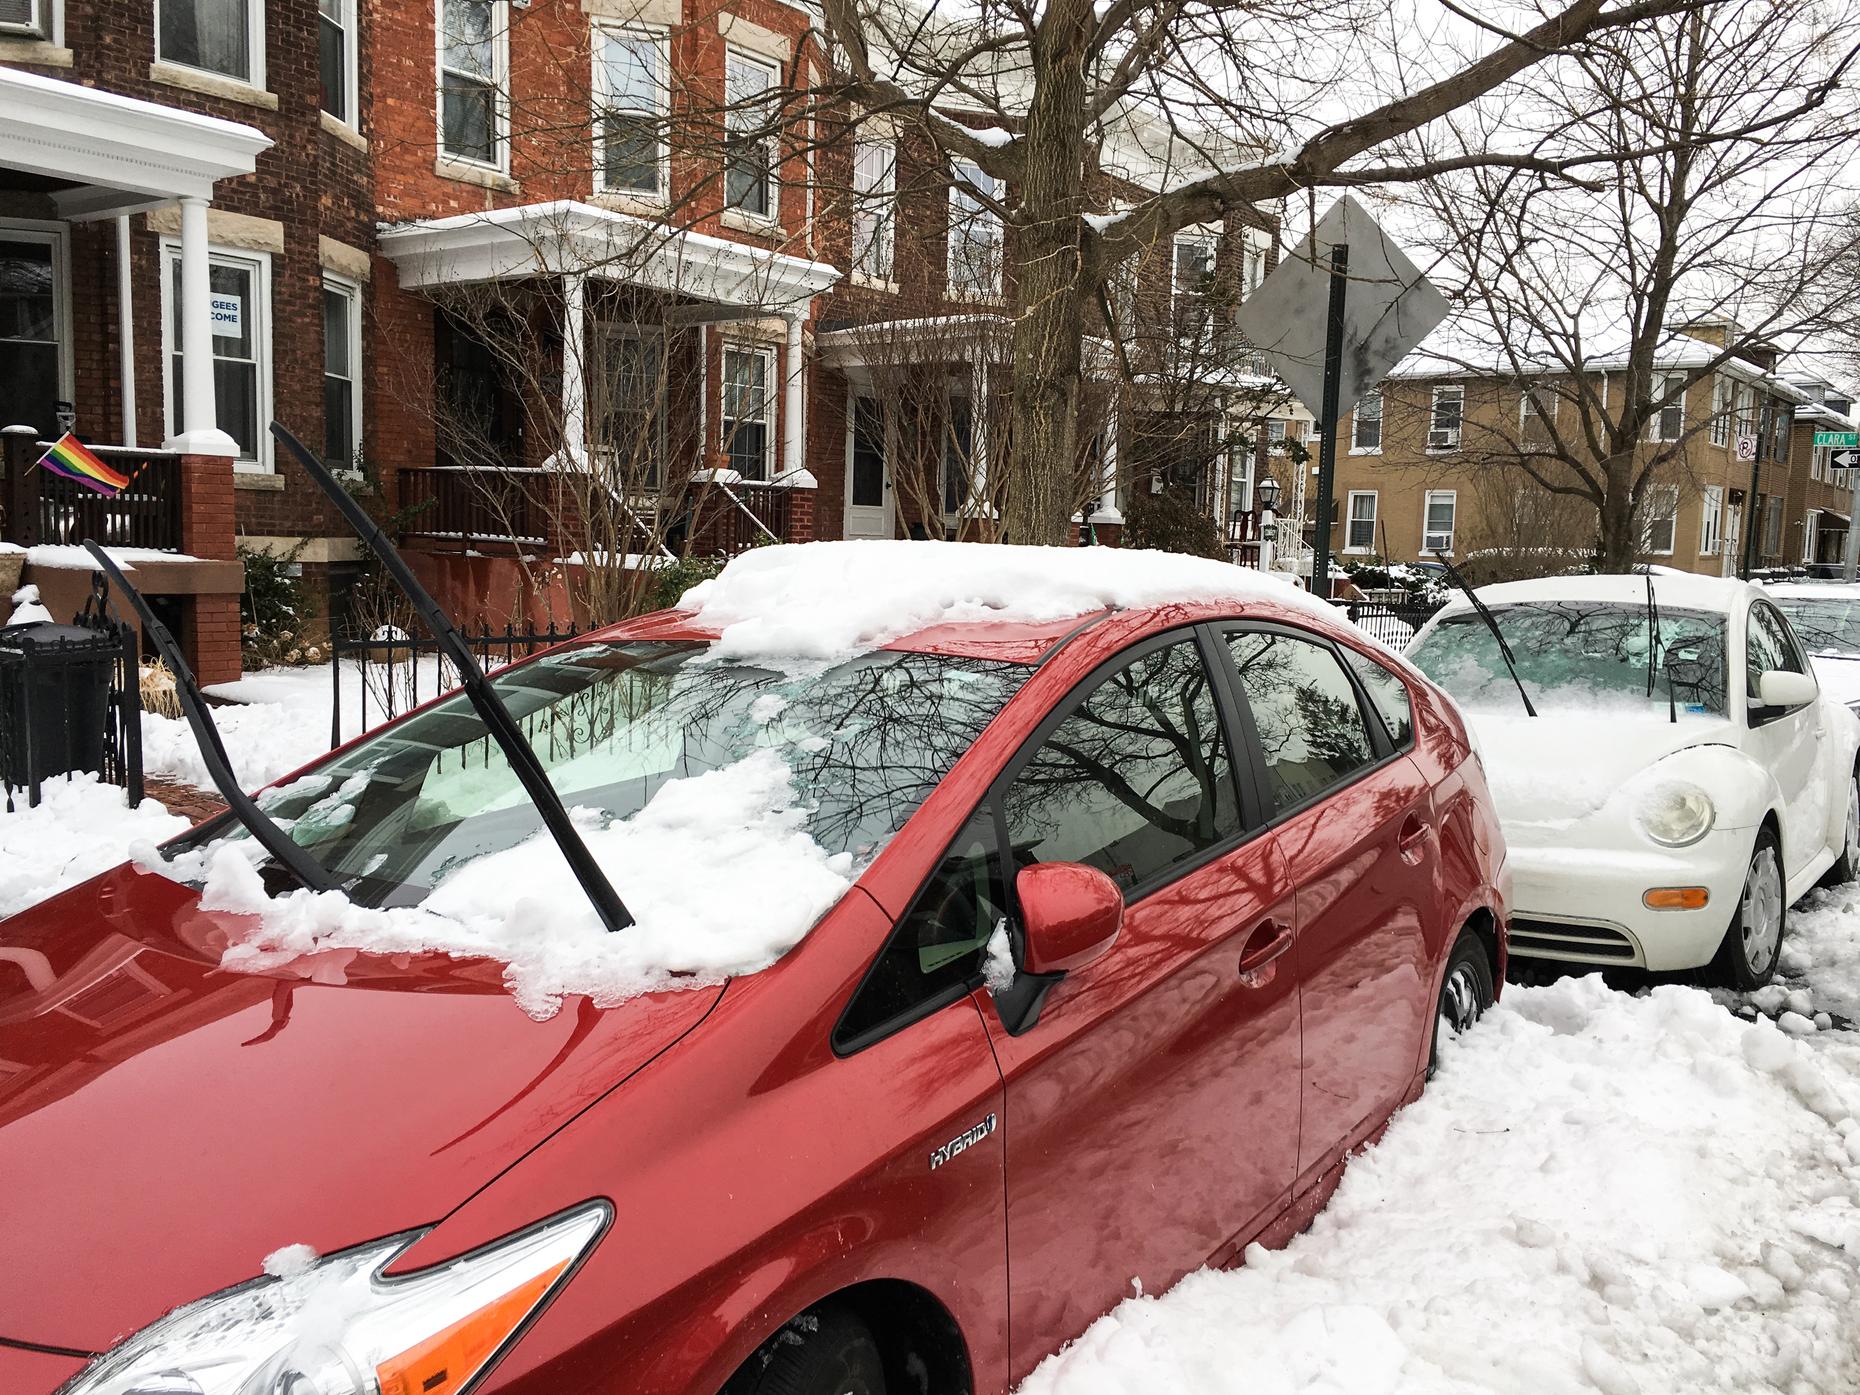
(1437, 461)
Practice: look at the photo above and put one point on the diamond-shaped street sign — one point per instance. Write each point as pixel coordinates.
(1389, 307)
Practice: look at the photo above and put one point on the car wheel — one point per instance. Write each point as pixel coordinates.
(1846, 867)
(827, 1351)
(1465, 992)
(1752, 943)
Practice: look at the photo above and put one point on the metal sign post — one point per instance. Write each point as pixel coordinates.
(1850, 554)
(1327, 418)
(1751, 521)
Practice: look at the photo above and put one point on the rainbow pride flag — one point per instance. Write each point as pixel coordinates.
(68, 457)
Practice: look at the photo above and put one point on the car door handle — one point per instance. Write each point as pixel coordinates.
(1270, 938)
(1413, 836)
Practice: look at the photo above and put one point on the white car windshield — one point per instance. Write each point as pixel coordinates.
(865, 741)
(1575, 656)
(1826, 625)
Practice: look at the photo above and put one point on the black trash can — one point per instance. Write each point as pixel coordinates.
(54, 701)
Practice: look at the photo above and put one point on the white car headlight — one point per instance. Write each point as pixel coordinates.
(1675, 813)
(335, 1327)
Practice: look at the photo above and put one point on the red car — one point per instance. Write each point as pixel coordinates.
(1244, 860)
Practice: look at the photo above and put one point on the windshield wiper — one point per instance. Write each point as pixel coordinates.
(1504, 649)
(1653, 646)
(482, 696)
(274, 840)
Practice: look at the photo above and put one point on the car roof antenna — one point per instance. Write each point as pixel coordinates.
(1504, 649)
(482, 696)
(270, 837)
(1653, 646)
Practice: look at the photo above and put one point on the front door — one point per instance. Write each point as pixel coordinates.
(869, 506)
(31, 315)
(1152, 1109)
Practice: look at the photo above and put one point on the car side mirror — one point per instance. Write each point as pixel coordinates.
(1781, 689)
(1069, 915)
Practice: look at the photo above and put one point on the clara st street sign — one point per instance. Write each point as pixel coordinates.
(1849, 439)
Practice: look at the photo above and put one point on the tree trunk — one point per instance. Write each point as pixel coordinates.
(1620, 535)
(1049, 298)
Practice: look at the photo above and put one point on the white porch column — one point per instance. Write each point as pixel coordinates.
(200, 432)
(573, 450)
(793, 409)
(1107, 510)
(125, 331)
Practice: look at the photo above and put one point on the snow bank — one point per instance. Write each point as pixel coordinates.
(80, 828)
(830, 600)
(1598, 1192)
(1820, 959)
(717, 869)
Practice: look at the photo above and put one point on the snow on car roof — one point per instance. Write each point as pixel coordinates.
(1816, 590)
(828, 600)
(1681, 589)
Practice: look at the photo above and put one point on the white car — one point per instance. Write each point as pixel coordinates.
(1684, 781)
(1826, 618)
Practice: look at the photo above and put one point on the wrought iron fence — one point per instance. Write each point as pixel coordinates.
(1392, 622)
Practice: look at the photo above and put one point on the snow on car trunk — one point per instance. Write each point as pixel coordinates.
(1597, 1192)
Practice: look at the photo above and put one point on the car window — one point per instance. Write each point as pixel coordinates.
(1387, 694)
(1136, 779)
(1767, 646)
(937, 947)
(1310, 726)
(1825, 624)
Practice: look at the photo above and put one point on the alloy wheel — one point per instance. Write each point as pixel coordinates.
(1459, 1000)
(1761, 909)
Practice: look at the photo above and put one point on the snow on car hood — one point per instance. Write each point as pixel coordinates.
(1839, 677)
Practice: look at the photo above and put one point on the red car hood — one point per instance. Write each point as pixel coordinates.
(165, 1124)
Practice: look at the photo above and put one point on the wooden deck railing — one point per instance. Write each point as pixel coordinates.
(37, 506)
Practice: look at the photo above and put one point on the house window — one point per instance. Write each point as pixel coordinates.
(974, 232)
(629, 412)
(1811, 527)
(1360, 532)
(216, 36)
(1439, 509)
(747, 375)
(472, 54)
(1239, 479)
(749, 138)
(26, 17)
(1772, 525)
(1253, 246)
(958, 451)
(1366, 424)
(241, 295)
(1536, 409)
(630, 103)
(1711, 521)
(336, 58)
(1443, 425)
(32, 311)
(342, 362)
(875, 176)
(1668, 421)
(1189, 289)
(1720, 410)
(1658, 526)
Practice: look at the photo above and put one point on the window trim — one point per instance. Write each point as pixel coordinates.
(1427, 500)
(46, 23)
(352, 292)
(880, 204)
(1711, 512)
(773, 68)
(1669, 515)
(265, 463)
(1357, 419)
(603, 33)
(1656, 420)
(351, 25)
(1349, 519)
(771, 381)
(500, 90)
(1441, 393)
(1208, 239)
(984, 217)
(254, 51)
(58, 237)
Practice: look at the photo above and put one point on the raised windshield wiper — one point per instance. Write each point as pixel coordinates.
(274, 840)
(1653, 645)
(1504, 649)
(482, 696)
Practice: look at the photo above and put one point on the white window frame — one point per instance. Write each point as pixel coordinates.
(772, 67)
(659, 40)
(964, 225)
(262, 342)
(1720, 410)
(1255, 250)
(1811, 526)
(1711, 520)
(1357, 420)
(348, 22)
(500, 90)
(1662, 512)
(1209, 241)
(771, 402)
(875, 208)
(352, 292)
(1350, 520)
(57, 237)
(1656, 423)
(1430, 535)
(1446, 438)
(254, 53)
(46, 23)
(1527, 409)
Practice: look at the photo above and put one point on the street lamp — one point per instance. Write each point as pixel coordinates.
(1268, 527)
(1269, 494)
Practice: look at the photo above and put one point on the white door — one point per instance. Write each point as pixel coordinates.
(870, 510)
(1788, 743)
(1733, 546)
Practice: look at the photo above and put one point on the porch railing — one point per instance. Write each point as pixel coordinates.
(467, 504)
(37, 506)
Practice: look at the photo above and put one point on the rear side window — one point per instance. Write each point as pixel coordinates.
(1387, 694)
(1135, 780)
(1767, 647)
(1309, 724)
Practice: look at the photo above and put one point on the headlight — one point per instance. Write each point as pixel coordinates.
(1675, 814)
(335, 1327)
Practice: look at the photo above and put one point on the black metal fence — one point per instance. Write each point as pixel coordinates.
(394, 680)
(1392, 622)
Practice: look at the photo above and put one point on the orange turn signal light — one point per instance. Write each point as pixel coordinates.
(447, 1361)
(1676, 898)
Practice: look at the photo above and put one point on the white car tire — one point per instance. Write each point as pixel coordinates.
(1753, 940)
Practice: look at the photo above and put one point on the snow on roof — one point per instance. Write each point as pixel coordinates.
(1685, 590)
(826, 600)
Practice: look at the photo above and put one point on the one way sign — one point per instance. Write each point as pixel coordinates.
(1845, 459)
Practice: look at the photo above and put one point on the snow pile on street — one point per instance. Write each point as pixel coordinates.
(81, 827)
(1598, 1192)
(717, 870)
(1821, 956)
(829, 600)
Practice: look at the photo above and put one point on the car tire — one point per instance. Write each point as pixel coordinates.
(1465, 991)
(1846, 867)
(826, 1351)
(1753, 941)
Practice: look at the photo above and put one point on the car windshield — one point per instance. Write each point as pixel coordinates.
(1825, 624)
(1579, 656)
(865, 742)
